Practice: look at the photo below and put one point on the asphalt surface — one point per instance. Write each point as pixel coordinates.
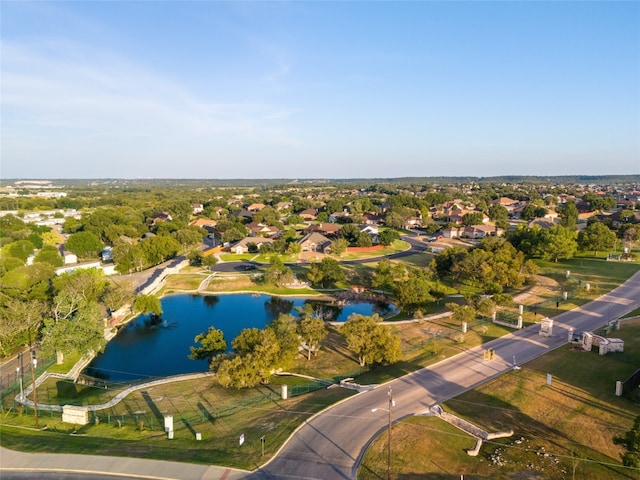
(331, 444)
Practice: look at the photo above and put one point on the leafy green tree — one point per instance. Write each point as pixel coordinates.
(160, 248)
(118, 294)
(294, 219)
(246, 341)
(531, 211)
(526, 239)
(350, 233)
(237, 372)
(17, 317)
(28, 282)
(388, 236)
(383, 278)
(313, 331)
(277, 272)
(568, 214)
(597, 202)
(189, 236)
(461, 313)
(19, 249)
(84, 244)
(147, 304)
(285, 328)
(209, 261)
(364, 240)
(370, 341)
(394, 220)
(9, 263)
(498, 212)
(326, 273)
(446, 259)
(596, 237)
(415, 291)
(72, 289)
(626, 215)
(339, 246)
(49, 254)
(82, 333)
(472, 218)
(557, 242)
(129, 257)
(631, 443)
(211, 343)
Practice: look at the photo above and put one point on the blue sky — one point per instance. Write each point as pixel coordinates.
(319, 89)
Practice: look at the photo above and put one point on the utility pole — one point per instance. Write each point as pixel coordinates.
(33, 383)
(391, 405)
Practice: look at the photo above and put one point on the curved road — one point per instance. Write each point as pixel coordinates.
(330, 445)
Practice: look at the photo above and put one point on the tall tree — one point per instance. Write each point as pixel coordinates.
(370, 341)
(211, 343)
(18, 318)
(557, 243)
(569, 215)
(148, 304)
(313, 331)
(596, 237)
(82, 333)
(84, 244)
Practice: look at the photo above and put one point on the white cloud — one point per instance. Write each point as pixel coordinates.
(64, 90)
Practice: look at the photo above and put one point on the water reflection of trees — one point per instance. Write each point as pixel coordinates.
(327, 311)
(382, 308)
(277, 306)
(210, 300)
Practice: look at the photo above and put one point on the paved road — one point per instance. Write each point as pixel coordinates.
(330, 445)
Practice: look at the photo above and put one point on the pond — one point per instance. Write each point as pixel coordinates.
(148, 347)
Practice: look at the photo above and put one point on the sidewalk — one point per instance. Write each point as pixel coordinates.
(124, 466)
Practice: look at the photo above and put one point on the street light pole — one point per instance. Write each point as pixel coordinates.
(391, 405)
(20, 380)
(35, 389)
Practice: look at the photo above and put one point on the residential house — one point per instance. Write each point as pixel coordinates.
(284, 206)
(255, 207)
(328, 229)
(372, 231)
(206, 223)
(372, 219)
(337, 216)
(157, 218)
(242, 246)
(309, 214)
(197, 208)
(261, 230)
(315, 242)
(69, 257)
(412, 222)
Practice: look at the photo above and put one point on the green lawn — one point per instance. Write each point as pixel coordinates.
(573, 421)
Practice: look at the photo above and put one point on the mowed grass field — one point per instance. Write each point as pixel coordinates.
(561, 431)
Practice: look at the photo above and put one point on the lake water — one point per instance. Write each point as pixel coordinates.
(148, 347)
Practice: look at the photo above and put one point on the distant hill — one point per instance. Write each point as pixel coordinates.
(269, 182)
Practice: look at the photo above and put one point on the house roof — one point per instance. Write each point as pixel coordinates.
(328, 228)
(247, 240)
(204, 222)
(314, 237)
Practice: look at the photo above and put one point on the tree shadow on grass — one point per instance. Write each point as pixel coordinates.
(152, 406)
